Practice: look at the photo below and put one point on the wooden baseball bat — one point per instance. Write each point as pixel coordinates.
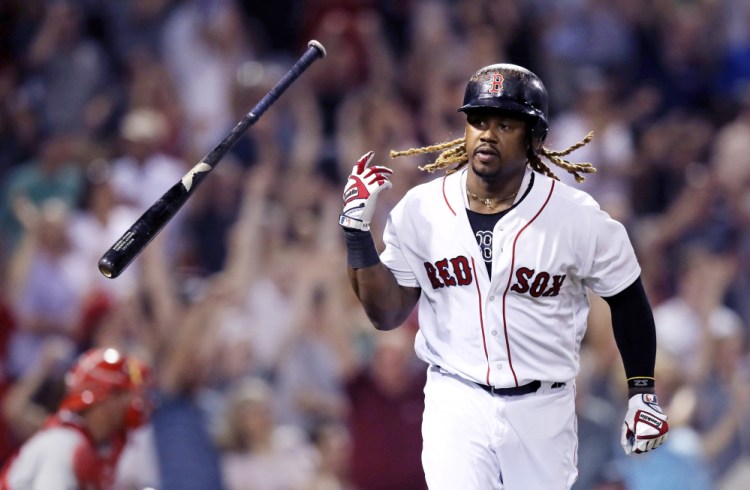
(123, 251)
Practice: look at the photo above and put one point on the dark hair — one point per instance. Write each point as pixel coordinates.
(454, 153)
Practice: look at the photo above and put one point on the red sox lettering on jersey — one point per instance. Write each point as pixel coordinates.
(459, 274)
(441, 275)
(545, 252)
(536, 284)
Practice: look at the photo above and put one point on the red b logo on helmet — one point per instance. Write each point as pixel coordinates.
(495, 82)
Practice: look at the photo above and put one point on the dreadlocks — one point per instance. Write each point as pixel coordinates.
(453, 153)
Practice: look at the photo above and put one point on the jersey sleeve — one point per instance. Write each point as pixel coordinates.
(55, 473)
(611, 263)
(47, 462)
(393, 255)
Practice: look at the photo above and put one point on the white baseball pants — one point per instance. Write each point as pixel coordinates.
(473, 440)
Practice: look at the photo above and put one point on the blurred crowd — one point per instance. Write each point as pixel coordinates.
(269, 376)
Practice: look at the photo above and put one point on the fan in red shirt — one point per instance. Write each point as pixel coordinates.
(79, 445)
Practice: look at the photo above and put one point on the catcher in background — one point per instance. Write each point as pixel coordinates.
(499, 256)
(80, 444)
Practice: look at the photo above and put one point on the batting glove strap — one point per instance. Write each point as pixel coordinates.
(361, 192)
(645, 426)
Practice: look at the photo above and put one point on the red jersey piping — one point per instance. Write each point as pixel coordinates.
(481, 321)
(446, 197)
(510, 278)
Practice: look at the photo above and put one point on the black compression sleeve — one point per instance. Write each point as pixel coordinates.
(360, 249)
(635, 334)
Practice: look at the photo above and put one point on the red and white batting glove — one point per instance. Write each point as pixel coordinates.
(361, 191)
(645, 426)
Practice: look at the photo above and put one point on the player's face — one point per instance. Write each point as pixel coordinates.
(496, 144)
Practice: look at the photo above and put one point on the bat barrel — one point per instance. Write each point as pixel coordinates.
(132, 242)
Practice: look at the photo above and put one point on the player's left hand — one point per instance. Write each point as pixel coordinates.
(645, 426)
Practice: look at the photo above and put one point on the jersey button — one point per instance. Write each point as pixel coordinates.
(492, 298)
(499, 366)
(494, 332)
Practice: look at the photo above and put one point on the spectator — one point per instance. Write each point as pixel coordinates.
(46, 284)
(135, 25)
(102, 219)
(689, 322)
(723, 401)
(204, 44)
(596, 108)
(72, 70)
(17, 122)
(386, 405)
(730, 164)
(53, 173)
(188, 458)
(35, 395)
(260, 454)
(597, 418)
(311, 371)
(333, 443)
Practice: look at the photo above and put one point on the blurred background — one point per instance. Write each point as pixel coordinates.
(269, 376)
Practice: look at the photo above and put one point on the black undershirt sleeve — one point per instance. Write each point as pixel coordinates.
(635, 335)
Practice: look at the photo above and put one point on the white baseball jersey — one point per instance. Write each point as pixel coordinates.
(46, 461)
(526, 322)
(61, 456)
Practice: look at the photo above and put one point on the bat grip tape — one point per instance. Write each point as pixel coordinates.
(360, 249)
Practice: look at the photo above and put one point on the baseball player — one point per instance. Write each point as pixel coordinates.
(79, 446)
(499, 256)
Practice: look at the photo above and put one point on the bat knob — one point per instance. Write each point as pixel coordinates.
(107, 268)
(315, 44)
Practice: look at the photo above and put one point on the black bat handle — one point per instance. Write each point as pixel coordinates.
(314, 51)
(139, 235)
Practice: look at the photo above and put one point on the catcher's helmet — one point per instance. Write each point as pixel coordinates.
(512, 88)
(99, 373)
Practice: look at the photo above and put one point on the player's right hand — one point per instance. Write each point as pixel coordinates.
(361, 192)
(645, 426)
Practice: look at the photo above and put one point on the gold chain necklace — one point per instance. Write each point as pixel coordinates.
(487, 201)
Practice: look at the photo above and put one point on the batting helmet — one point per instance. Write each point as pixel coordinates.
(511, 88)
(99, 373)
